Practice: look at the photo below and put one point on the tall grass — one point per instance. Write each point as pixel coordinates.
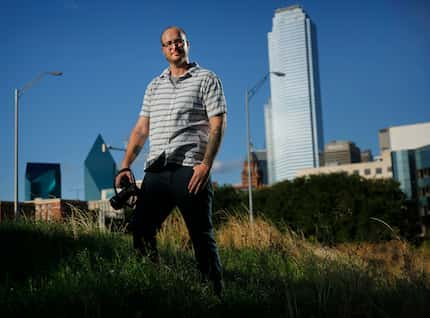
(71, 269)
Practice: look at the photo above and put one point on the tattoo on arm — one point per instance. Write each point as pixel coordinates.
(214, 142)
(129, 157)
(136, 141)
(136, 150)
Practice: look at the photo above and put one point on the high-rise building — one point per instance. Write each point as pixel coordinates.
(100, 170)
(294, 117)
(269, 139)
(42, 180)
(341, 153)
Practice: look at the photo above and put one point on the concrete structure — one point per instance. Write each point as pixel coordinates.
(99, 170)
(42, 180)
(293, 117)
(56, 209)
(404, 137)
(380, 168)
(340, 153)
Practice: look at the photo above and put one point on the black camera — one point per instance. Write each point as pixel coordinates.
(127, 194)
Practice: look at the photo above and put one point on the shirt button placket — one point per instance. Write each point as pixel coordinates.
(171, 114)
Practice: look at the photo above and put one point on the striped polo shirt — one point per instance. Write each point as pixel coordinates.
(179, 110)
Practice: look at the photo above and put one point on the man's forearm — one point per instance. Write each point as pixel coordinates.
(136, 141)
(135, 145)
(216, 134)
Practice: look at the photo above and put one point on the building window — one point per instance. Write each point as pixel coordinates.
(378, 171)
(423, 173)
(389, 169)
(367, 172)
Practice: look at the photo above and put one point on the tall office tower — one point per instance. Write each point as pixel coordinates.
(296, 119)
(100, 170)
(269, 139)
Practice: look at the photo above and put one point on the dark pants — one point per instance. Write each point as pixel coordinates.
(161, 192)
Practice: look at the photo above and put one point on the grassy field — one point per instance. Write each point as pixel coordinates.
(75, 270)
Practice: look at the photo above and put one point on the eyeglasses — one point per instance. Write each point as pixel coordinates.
(176, 42)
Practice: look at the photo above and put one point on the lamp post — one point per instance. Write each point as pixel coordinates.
(106, 147)
(248, 95)
(18, 92)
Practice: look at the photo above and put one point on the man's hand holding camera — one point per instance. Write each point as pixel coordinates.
(127, 196)
(119, 176)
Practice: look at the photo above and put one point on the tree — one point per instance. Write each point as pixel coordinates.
(334, 207)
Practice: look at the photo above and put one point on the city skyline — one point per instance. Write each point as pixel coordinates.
(294, 110)
(373, 58)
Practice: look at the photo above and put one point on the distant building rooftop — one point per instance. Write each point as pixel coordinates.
(289, 8)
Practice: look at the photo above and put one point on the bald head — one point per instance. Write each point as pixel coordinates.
(173, 27)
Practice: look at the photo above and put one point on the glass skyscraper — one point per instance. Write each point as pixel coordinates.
(293, 116)
(100, 170)
(411, 168)
(422, 159)
(42, 180)
(403, 163)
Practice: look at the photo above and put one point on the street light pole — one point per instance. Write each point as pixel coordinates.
(248, 149)
(15, 200)
(106, 147)
(248, 95)
(18, 92)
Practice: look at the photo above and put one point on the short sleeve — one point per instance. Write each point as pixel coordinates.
(214, 99)
(146, 103)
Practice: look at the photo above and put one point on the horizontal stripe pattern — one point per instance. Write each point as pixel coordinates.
(179, 111)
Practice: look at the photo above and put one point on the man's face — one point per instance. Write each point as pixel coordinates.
(175, 46)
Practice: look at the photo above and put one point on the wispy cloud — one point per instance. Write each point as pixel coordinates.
(227, 166)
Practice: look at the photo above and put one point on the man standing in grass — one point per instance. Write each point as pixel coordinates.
(184, 115)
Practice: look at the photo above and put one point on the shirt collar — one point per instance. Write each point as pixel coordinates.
(193, 67)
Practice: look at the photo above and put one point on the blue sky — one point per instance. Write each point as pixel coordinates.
(374, 67)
